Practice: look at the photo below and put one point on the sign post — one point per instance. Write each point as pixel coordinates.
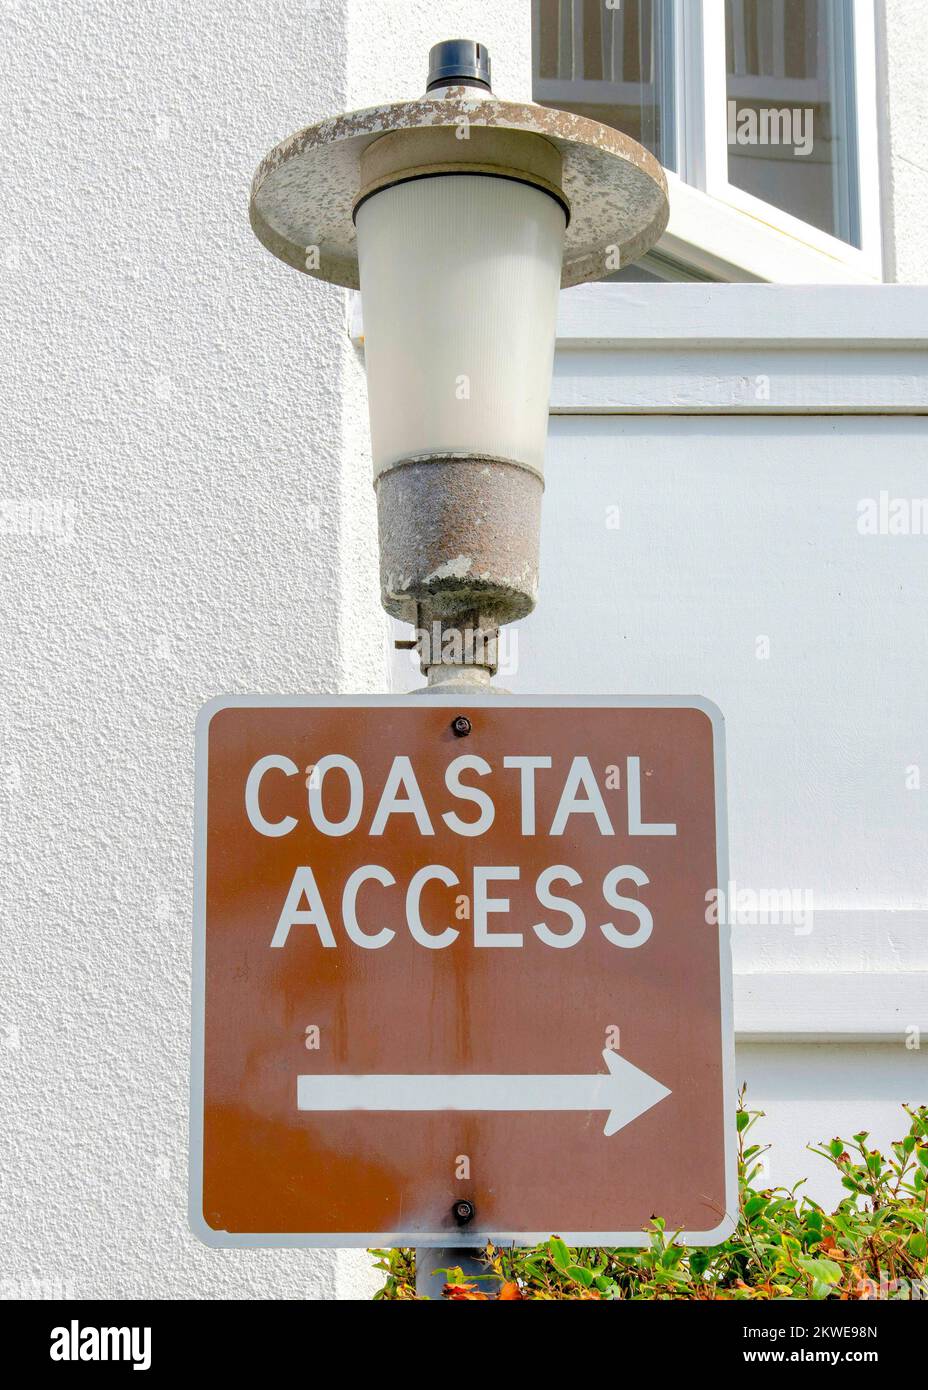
(458, 972)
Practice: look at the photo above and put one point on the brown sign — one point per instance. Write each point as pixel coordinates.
(452, 954)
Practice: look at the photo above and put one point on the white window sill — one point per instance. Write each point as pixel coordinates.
(728, 243)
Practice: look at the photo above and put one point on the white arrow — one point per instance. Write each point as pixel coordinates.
(624, 1090)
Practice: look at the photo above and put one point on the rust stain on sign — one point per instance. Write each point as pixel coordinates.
(434, 968)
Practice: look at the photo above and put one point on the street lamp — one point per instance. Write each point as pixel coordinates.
(459, 216)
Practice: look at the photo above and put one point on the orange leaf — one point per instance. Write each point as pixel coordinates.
(464, 1293)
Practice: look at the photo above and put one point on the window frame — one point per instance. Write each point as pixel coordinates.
(709, 133)
(722, 232)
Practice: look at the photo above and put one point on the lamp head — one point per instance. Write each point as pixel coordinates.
(459, 216)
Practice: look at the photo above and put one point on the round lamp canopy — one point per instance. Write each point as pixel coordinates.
(305, 191)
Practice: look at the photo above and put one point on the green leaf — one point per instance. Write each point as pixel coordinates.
(559, 1254)
(821, 1269)
(918, 1245)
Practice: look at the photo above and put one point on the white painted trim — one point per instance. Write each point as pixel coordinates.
(354, 317)
(742, 350)
(741, 243)
(710, 119)
(759, 382)
(781, 316)
(827, 940)
(689, 94)
(865, 264)
(869, 108)
(826, 1006)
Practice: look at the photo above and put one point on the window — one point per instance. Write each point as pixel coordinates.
(611, 63)
(792, 123)
(763, 110)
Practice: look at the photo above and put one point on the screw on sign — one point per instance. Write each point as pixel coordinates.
(464, 1212)
(444, 995)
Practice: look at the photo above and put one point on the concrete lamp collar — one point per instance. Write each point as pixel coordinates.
(459, 216)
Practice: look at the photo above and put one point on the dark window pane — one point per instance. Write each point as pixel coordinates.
(792, 132)
(613, 63)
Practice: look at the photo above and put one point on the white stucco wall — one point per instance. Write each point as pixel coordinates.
(905, 139)
(195, 413)
(199, 411)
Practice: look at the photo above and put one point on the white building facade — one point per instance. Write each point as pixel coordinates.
(736, 507)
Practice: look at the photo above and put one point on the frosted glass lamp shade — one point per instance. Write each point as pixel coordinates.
(459, 284)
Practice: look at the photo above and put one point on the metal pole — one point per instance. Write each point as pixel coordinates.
(470, 677)
(442, 1257)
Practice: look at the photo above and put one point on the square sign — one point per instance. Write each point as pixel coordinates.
(461, 956)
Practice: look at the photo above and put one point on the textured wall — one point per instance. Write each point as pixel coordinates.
(905, 133)
(195, 410)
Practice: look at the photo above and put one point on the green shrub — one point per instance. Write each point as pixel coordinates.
(874, 1245)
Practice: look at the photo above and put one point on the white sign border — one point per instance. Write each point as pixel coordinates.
(227, 1240)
